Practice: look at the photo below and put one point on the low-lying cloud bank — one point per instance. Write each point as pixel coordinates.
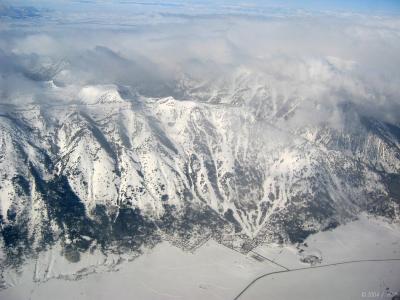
(324, 60)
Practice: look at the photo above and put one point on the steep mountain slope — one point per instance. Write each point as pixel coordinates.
(117, 170)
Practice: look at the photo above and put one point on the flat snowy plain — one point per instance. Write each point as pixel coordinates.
(216, 272)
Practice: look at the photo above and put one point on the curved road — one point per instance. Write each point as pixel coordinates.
(313, 267)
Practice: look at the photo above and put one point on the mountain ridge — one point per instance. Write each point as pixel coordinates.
(120, 165)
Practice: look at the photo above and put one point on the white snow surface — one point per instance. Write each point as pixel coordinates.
(214, 271)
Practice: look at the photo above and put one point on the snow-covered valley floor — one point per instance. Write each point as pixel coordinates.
(216, 272)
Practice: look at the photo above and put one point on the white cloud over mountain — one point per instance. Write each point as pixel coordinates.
(323, 59)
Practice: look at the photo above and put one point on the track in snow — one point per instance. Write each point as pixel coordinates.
(312, 267)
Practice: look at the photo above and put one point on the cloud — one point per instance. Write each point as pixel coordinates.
(309, 64)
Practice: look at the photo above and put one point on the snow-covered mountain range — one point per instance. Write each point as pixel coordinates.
(225, 160)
